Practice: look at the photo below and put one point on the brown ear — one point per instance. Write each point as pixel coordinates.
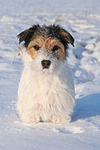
(67, 37)
(22, 36)
(27, 35)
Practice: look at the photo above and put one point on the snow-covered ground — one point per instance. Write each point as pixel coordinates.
(82, 19)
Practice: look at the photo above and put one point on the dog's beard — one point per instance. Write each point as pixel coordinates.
(37, 66)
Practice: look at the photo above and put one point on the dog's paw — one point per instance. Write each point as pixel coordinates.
(61, 120)
(31, 119)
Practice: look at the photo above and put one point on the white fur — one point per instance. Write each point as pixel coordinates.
(45, 94)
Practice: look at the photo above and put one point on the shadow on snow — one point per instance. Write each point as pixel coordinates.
(86, 107)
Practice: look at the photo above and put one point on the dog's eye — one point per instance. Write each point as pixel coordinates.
(36, 47)
(55, 48)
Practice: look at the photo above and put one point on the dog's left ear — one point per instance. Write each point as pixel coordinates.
(67, 37)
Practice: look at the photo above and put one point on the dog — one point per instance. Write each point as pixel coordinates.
(46, 89)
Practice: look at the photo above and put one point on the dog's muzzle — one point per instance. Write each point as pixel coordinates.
(45, 64)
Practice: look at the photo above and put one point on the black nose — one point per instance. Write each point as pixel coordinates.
(45, 64)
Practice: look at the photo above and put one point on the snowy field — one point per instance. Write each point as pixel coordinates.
(82, 19)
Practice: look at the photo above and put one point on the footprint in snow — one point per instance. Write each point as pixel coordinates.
(69, 130)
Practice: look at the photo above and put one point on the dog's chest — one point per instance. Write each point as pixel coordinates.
(45, 85)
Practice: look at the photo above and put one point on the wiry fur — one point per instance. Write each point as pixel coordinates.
(45, 94)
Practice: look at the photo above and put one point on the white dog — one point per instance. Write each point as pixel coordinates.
(46, 89)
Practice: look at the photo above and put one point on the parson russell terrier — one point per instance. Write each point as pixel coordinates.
(46, 89)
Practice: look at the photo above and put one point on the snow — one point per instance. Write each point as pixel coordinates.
(82, 20)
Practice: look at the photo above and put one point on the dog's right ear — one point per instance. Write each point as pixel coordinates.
(27, 35)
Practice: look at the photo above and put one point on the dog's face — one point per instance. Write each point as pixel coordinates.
(47, 46)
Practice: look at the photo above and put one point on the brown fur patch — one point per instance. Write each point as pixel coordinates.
(50, 43)
(45, 44)
(68, 37)
(31, 50)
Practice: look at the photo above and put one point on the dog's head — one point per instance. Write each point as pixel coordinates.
(46, 45)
